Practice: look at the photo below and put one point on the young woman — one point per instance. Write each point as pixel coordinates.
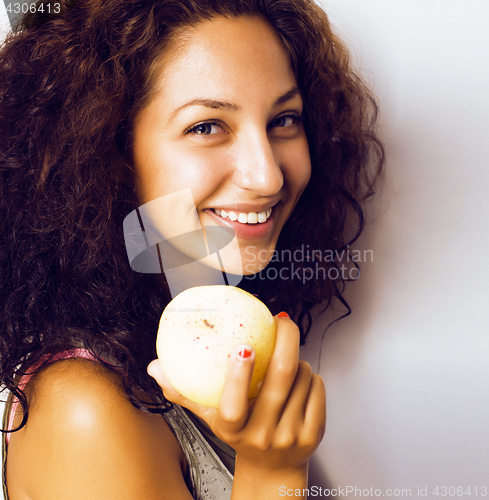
(105, 106)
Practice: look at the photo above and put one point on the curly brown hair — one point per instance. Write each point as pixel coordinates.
(71, 86)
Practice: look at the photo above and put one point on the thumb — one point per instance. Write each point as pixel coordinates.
(156, 371)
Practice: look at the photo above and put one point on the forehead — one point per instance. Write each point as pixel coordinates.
(228, 57)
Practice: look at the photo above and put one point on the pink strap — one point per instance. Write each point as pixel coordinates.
(73, 353)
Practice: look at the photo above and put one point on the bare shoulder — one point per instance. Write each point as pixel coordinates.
(84, 439)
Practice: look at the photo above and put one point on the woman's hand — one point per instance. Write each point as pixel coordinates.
(277, 432)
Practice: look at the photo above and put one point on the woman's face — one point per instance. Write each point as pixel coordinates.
(225, 122)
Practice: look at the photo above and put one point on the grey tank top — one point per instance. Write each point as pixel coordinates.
(208, 477)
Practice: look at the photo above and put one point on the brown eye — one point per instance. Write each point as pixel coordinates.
(284, 121)
(206, 128)
(287, 120)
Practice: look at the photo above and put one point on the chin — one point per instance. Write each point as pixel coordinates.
(255, 259)
(236, 260)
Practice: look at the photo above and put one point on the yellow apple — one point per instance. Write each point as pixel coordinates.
(198, 331)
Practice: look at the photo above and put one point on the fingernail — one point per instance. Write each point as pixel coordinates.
(244, 352)
(283, 314)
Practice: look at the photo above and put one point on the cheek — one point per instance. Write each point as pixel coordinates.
(203, 174)
(163, 169)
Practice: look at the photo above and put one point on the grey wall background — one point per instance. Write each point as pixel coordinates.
(407, 373)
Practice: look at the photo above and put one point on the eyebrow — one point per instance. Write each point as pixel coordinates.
(214, 104)
(288, 96)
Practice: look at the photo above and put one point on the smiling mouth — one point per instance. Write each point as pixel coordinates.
(244, 217)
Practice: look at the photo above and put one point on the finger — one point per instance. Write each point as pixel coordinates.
(233, 408)
(171, 394)
(315, 415)
(295, 409)
(156, 371)
(280, 376)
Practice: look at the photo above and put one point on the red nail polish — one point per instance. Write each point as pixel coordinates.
(244, 353)
(283, 314)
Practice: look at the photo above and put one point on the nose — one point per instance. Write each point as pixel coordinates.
(257, 166)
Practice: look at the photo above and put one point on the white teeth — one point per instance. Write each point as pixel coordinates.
(245, 218)
(252, 218)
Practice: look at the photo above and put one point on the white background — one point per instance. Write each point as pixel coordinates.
(407, 373)
(4, 24)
